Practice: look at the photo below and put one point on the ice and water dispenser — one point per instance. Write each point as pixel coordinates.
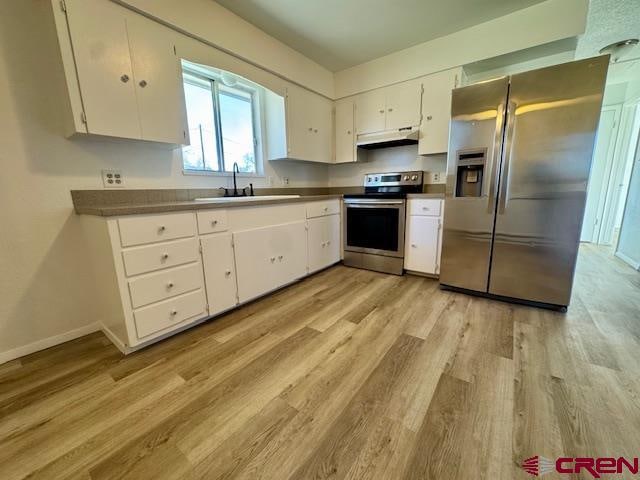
(470, 169)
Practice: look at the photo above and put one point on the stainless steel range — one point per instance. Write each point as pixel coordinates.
(374, 221)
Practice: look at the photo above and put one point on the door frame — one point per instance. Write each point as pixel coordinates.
(612, 154)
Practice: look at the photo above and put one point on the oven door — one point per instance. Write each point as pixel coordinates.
(374, 226)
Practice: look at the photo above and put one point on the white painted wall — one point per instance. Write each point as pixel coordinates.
(391, 159)
(220, 27)
(46, 286)
(539, 24)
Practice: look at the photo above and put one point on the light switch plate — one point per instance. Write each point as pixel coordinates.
(112, 179)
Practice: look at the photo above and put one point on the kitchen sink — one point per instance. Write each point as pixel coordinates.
(245, 199)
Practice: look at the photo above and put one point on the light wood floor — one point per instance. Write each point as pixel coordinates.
(348, 374)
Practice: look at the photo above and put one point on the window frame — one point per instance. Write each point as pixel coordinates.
(214, 79)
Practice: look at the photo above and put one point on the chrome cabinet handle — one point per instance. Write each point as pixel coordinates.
(174, 312)
(348, 132)
(381, 111)
(161, 228)
(143, 83)
(170, 285)
(165, 256)
(429, 117)
(273, 259)
(311, 129)
(413, 245)
(124, 78)
(214, 222)
(280, 257)
(227, 272)
(391, 109)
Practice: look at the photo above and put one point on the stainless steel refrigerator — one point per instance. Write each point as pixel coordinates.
(520, 151)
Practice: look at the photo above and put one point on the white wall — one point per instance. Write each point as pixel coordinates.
(542, 23)
(391, 159)
(45, 283)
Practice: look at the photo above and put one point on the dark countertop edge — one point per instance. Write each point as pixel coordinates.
(141, 209)
(426, 195)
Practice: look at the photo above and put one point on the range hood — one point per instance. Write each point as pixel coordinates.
(388, 138)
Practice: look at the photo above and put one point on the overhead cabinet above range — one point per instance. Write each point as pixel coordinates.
(122, 73)
(389, 108)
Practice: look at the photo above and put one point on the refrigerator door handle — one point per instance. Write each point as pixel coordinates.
(508, 146)
(495, 158)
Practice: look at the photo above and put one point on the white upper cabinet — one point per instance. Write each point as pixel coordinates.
(403, 105)
(345, 132)
(370, 111)
(158, 82)
(122, 73)
(389, 108)
(98, 31)
(309, 125)
(436, 110)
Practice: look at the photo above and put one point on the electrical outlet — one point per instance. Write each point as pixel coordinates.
(437, 177)
(112, 178)
(285, 180)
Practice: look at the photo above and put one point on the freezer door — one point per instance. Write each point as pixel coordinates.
(552, 117)
(475, 145)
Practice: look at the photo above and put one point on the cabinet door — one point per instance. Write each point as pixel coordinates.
(219, 272)
(403, 105)
(158, 81)
(309, 125)
(370, 111)
(267, 258)
(421, 252)
(323, 239)
(344, 136)
(436, 111)
(101, 49)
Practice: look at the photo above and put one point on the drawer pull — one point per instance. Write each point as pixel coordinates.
(214, 222)
(326, 209)
(280, 257)
(413, 245)
(227, 272)
(174, 313)
(273, 259)
(329, 242)
(161, 228)
(165, 256)
(170, 285)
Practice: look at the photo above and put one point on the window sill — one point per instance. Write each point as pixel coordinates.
(222, 174)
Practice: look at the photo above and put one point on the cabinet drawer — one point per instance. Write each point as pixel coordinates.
(323, 207)
(166, 284)
(154, 257)
(170, 313)
(430, 207)
(156, 228)
(212, 221)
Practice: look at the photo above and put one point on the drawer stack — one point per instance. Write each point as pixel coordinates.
(161, 260)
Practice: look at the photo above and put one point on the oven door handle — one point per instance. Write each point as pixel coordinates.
(355, 203)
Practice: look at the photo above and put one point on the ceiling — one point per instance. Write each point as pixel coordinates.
(341, 33)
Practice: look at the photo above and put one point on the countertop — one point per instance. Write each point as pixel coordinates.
(160, 207)
(426, 195)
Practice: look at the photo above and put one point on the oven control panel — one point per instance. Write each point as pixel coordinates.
(393, 179)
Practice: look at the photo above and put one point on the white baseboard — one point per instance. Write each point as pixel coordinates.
(628, 260)
(47, 342)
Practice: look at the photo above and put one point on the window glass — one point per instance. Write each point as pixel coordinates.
(221, 124)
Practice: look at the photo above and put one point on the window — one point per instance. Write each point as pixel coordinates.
(222, 123)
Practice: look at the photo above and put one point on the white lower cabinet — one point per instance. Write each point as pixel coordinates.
(269, 257)
(423, 237)
(323, 242)
(219, 272)
(161, 273)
